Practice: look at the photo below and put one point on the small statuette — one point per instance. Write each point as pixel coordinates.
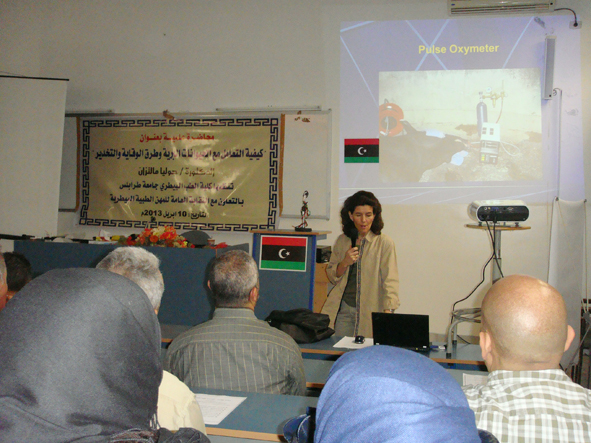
(305, 213)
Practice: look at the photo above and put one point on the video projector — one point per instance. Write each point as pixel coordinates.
(498, 211)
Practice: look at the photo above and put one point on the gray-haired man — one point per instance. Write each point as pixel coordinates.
(177, 406)
(235, 350)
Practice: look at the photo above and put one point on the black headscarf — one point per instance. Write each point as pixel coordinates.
(79, 358)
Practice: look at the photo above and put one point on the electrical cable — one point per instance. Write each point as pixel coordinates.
(510, 144)
(576, 23)
(476, 287)
(501, 110)
(493, 256)
(493, 236)
(463, 339)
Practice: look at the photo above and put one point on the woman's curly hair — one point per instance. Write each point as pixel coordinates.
(361, 198)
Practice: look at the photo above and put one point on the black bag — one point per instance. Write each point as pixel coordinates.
(303, 325)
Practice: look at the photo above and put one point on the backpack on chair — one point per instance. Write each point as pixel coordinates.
(303, 325)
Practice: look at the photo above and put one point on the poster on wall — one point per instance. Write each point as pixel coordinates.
(451, 111)
(192, 173)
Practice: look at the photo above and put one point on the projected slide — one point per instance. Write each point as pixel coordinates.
(457, 126)
(451, 110)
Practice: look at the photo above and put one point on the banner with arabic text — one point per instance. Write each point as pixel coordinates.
(208, 173)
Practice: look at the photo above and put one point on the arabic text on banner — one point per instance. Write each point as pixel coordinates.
(211, 173)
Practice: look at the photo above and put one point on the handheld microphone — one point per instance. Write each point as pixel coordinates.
(354, 235)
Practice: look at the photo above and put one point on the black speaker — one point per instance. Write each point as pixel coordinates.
(323, 254)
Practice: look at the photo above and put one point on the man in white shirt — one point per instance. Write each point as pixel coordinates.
(527, 397)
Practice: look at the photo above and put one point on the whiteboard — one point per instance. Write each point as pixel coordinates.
(31, 123)
(306, 164)
(68, 181)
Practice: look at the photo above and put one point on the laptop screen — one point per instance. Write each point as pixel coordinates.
(410, 331)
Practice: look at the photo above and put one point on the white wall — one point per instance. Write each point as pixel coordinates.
(188, 55)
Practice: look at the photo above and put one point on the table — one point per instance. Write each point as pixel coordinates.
(170, 332)
(466, 354)
(261, 417)
(317, 372)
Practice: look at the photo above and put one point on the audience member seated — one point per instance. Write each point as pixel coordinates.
(3, 285)
(177, 407)
(18, 270)
(387, 394)
(234, 350)
(527, 397)
(80, 361)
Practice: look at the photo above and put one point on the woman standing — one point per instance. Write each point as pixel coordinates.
(362, 267)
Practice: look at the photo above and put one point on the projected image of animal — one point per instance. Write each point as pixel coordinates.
(407, 153)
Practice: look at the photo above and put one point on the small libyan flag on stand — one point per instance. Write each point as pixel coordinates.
(362, 150)
(283, 253)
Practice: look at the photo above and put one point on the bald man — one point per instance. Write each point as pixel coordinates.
(527, 397)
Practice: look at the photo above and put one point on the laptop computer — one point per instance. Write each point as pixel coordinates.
(408, 331)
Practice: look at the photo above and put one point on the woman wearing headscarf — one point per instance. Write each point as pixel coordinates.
(384, 394)
(80, 361)
(362, 267)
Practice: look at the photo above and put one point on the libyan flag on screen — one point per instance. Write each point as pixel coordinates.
(362, 150)
(283, 253)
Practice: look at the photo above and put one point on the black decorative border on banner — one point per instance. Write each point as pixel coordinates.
(126, 122)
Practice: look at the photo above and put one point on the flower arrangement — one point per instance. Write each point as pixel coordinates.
(160, 236)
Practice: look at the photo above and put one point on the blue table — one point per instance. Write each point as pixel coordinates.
(317, 372)
(466, 354)
(261, 417)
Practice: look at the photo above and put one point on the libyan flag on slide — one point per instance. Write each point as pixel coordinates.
(362, 150)
(283, 253)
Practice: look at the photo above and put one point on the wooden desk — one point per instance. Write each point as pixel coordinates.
(466, 354)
